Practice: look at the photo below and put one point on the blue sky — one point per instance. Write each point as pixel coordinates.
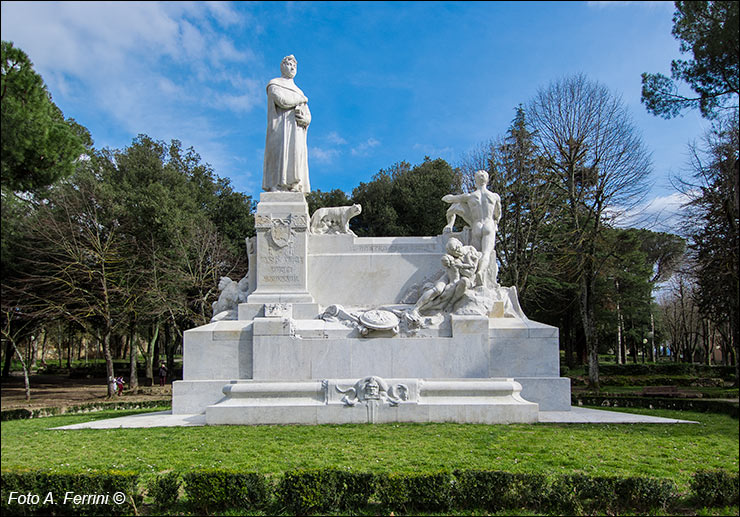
(386, 81)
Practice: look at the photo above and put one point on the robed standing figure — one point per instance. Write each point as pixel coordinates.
(288, 117)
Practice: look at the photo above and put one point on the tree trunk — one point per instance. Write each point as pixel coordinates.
(26, 380)
(736, 339)
(619, 329)
(653, 351)
(133, 373)
(59, 344)
(43, 347)
(69, 348)
(105, 338)
(149, 356)
(33, 351)
(9, 351)
(171, 349)
(589, 331)
(568, 337)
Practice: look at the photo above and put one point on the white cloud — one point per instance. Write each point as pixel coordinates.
(224, 13)
(432, 151)
(149, 67)
(661, 213)
(238, 103)
(335, 138)
(118, 50)
(193, 41)
(619, 3)
(363, 148)
(322, 155)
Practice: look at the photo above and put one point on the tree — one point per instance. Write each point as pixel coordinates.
(709, 31)
(597, 162)
(712, 225)
(528, 203)
(378, 216)
(681, 317)
(663, 251)
(317, 199)
(625, 287)
(187, 226)
(74, 262)
(16, 326)
(405, 201)
(38, 145)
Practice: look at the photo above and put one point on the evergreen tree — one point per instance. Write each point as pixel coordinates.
(404, 200)
(709, 31)
(38, 145)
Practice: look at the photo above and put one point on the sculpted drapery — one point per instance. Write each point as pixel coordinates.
(288, 117)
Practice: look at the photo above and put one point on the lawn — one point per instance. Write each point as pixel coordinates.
(672, 450)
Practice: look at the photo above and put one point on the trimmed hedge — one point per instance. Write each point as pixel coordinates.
(418, 491)
(724, 407)
(495, 490)
(715, 488)
(22, 413)
(164, 490)
(211, 489)
(579, 493)
(99, 371)
(45, 493)
(305, 492)
(654, 380)
(698, 370)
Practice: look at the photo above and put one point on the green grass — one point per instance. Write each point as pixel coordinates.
(673, 450)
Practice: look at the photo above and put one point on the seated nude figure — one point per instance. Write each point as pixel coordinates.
(460, 264)
(481, 209)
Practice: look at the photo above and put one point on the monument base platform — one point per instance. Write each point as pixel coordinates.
(272, 370)
(372, 400)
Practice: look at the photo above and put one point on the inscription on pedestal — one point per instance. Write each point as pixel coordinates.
(281, 263)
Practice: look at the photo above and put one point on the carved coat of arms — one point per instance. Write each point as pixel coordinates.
(281, 233)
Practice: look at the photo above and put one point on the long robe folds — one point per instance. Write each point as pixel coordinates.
(286, 154)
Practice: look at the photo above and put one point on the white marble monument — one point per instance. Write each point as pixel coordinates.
(329, 327)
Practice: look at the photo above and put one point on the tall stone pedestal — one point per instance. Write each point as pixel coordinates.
(280, 255)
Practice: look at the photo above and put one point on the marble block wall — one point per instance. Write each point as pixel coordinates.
(275, 348)
(366, 271)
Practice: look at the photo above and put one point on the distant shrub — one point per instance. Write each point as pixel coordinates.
(724, 407)
(22, 414)
(686, 369)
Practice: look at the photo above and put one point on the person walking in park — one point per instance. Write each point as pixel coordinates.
(119, 385)
(162, 374)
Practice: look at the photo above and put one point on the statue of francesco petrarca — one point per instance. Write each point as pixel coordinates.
(288, 117)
